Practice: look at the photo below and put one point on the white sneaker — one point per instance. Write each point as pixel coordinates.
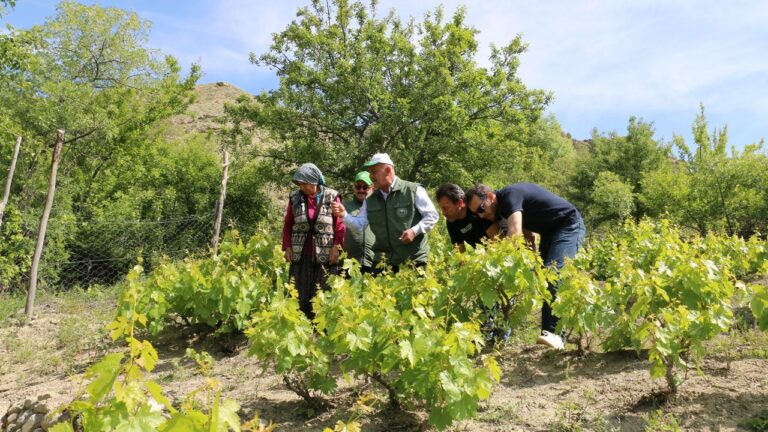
(550, 339)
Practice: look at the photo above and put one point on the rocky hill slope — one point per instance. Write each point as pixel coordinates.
(203, 114)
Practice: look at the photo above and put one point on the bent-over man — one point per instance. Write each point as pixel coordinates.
(529, 208)
(464, 227)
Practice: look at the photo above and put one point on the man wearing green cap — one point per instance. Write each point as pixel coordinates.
(359, 245)
(399, 213)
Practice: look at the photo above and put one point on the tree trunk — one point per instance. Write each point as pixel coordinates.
(9, 180)
(220, 204)
(44, 223)
(670, 374)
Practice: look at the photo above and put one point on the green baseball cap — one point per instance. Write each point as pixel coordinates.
(364, 177)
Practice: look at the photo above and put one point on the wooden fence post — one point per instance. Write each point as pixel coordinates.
(9, 180)
(44, 223)
(220, 204)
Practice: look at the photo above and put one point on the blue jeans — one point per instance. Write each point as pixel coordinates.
(562, 243)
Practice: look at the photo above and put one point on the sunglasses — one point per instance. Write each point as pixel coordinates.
(481, 207)
(362, 187)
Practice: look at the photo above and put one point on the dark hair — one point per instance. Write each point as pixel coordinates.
(451, 191)
(479, 190)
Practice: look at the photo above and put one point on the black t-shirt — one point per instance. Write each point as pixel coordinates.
(469, 230)
(542, 210)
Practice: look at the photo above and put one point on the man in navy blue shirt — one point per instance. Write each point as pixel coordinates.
(529, 208)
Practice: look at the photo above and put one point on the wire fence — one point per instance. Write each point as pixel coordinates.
(102, 251)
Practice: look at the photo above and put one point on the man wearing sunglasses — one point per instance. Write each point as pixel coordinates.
(529, 208)
(359, 244)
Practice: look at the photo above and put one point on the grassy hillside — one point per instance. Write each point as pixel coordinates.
(202, 117)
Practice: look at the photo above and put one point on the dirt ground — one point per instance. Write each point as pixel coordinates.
(540, 390)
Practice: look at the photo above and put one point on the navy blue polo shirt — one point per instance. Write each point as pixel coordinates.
(543, 211)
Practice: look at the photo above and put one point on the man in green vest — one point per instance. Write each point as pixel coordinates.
(359, 244)
(399, 213)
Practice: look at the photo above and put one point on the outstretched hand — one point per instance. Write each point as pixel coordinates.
(338, 210)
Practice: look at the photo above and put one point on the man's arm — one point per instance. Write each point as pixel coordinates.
(356, 223)
(493, 230)
(515, 224)
(426, 209)
(530, 239)
(515, 228)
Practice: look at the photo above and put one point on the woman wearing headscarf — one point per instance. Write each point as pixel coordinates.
(312, 236)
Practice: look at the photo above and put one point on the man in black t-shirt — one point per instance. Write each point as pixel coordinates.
(463, 226)
(529, 208)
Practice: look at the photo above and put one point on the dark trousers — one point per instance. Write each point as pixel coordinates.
(554, 248)
(307, 276)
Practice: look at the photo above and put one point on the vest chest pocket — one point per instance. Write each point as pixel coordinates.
(404, 211)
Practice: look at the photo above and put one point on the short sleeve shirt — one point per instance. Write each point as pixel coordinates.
(543, 211)
(470, 230)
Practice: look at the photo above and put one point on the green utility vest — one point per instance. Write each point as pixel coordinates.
(359, 245)
(389, 218)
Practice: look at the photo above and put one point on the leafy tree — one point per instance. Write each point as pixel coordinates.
(547, 136)
(247, 202)
(627, 156)
(15, 259)
(162, 182)
(4, 4)
(98, 81)
(707, 201)
(16, 56)
(88, 70)
(665, 190)
(612, 199)
(708, 189)
(545, 155)
(352, 84)
(749, 171)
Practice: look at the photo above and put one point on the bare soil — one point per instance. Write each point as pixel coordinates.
(541, 390)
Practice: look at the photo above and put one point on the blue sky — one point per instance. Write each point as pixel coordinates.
(604, 60)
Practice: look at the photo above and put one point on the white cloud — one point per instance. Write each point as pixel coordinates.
(604, 59)
(251, 24)
(611, 59)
